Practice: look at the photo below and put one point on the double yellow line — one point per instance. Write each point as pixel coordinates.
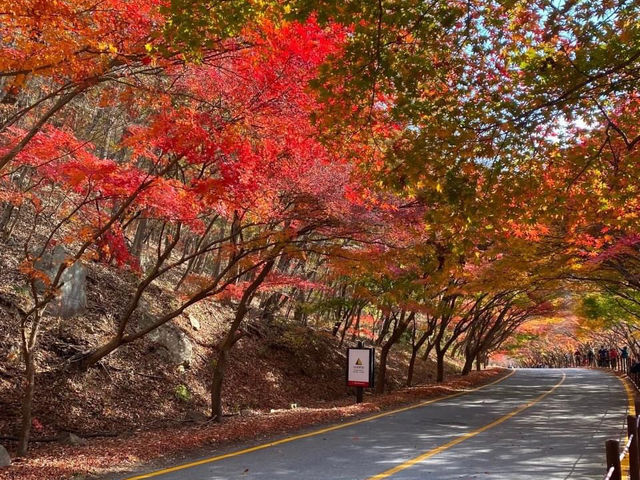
(312, 434)
(466, 436)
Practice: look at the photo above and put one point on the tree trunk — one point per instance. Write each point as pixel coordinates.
(6, 216)
(399, 328)
(440, 366)
(141, 232)
(468, 364)
(27, 402)
(427, 351)
(382, 368)
(412, 363)
(336, 328)
(8, 233)
(356, 328)
(348, 321)
(269, 307)
(217, 262)
(299, 316)
(415, 348)
(216, 384)
(94, 356)
(230, 339)
(385, 329)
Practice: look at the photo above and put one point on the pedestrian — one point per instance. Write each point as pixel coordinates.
(590, 356)
(578, 357)
(624, 358)
(613, 357)
(602, 356)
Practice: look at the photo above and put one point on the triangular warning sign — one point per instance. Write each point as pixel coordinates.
(358, 362)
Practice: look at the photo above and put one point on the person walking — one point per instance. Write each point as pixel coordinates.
(624, 358)
(613, 357)
(602, 356)
(590, 356)
(578, 356)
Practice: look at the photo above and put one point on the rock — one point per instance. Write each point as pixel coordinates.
(72, 298)
(247, 412)
(173, 343)
(195, 323)
(176, 346)
(69, 438)
(5, 459)
(73, 294)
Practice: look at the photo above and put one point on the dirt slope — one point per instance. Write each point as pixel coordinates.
(138, 388)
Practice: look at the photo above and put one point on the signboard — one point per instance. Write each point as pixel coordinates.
(360, 362)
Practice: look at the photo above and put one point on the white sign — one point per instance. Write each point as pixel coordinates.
(360, 367)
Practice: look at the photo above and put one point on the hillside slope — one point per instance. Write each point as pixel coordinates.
(144, 385)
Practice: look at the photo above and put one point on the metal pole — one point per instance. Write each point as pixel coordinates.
(613, 459)
(359, 390)
(634, 458)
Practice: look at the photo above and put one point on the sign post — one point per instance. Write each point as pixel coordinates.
(360, 369)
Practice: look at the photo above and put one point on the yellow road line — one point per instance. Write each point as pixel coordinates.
(630, 395)
(462, 438)
(624, 463)
(631, 405)
(311, 434)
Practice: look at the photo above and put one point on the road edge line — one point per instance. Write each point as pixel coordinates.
(630, 409)
(313, 433)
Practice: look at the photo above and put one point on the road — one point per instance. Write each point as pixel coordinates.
(535, 424)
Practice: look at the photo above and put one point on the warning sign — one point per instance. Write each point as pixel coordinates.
(360, 367)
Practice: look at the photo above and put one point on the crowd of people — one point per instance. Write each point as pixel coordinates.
(613, 357)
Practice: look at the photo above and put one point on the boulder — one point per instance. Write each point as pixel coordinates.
(174, 345)
(170, 341)
(5, 459)
(73, 295)
(72, 298)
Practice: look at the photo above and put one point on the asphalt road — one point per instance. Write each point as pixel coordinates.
(535, 424)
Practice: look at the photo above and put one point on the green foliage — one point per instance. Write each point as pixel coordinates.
(182, 393)
(518, 340)
(195, 26)
(603, 310)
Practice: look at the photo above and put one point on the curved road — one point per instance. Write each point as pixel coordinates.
(535, 424)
